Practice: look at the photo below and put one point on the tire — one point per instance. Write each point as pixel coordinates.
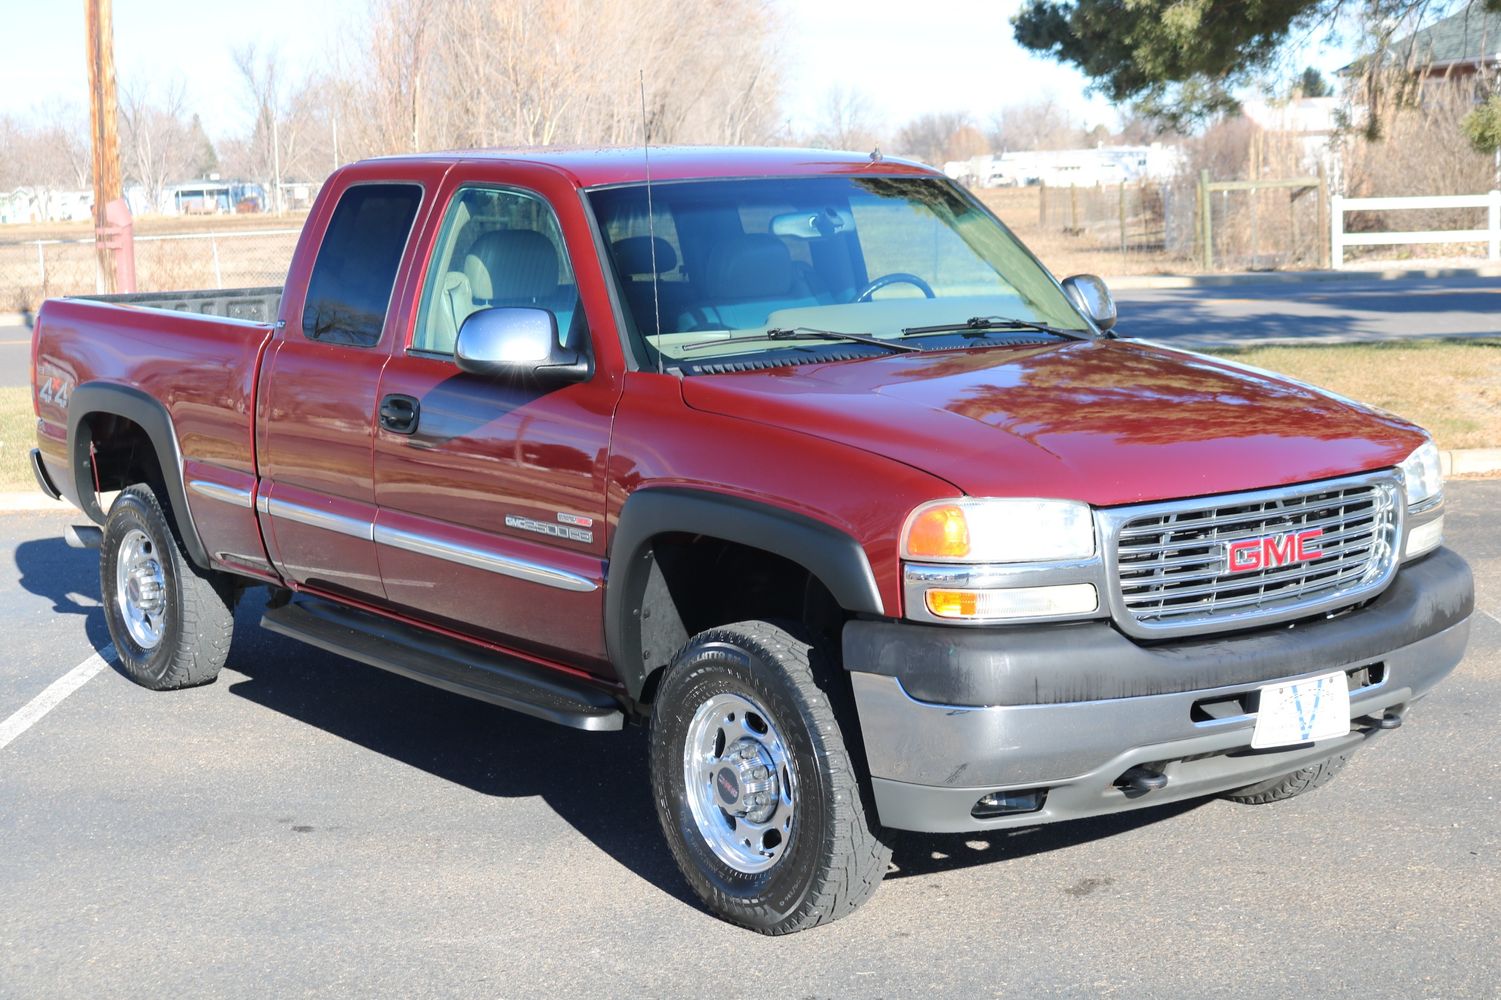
(172, 626)
(825, 856)
(1291, 785)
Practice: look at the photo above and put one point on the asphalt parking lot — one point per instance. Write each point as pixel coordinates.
(308, 826)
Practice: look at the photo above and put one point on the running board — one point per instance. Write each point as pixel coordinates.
(459, 667)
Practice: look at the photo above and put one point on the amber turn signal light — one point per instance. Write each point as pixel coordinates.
(939, 532)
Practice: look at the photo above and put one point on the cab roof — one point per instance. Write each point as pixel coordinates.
(606, 165)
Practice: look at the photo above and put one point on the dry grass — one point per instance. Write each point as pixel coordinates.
(1453, 388)
(1450, 387)
(17, 438)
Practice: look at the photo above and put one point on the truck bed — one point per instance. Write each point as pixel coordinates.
(257, 305)
(174, 357)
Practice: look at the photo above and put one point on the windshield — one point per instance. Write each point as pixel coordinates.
(735, 259)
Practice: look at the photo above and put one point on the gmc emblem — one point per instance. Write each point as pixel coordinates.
(1247, 555)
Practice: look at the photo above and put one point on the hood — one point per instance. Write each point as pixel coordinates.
(1105, 421)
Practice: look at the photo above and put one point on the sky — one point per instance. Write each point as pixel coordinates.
(962, 58)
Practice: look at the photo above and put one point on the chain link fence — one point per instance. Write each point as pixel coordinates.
(33, 270)
(1250, 228)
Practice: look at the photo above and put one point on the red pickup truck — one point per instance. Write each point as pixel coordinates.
(800, 459)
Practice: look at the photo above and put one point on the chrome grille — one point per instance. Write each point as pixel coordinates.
(1172, 574)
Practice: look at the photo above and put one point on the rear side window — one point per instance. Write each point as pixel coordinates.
(356, 267)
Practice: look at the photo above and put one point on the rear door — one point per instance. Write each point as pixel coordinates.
(317, 399)
(491, 495)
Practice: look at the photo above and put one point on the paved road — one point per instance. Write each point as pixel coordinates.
(313, 827)
(1314, 311)
(15, 356)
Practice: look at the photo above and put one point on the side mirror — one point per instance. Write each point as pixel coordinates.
(517, 342)
(1093, 299)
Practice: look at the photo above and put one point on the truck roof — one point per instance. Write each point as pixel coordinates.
(594, 166)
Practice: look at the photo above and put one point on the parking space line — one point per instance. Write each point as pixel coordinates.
(49, 699)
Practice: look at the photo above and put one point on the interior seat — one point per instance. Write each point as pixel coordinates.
(519, 267)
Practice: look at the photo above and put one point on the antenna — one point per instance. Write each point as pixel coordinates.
(651, 225)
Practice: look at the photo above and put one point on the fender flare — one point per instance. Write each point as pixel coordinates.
(93, 398)
(829, 554)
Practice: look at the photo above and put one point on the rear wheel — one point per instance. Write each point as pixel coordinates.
(755, 788)
(1288, 786)
(170, 621)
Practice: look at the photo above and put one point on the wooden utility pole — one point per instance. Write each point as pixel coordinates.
(103, 122)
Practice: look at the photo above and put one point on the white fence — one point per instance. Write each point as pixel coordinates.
(1339, 238)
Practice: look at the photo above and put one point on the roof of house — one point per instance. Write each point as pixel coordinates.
(1470, 35)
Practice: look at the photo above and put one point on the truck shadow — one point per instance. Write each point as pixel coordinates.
(597, 782)
(69, 578)
(928, 854)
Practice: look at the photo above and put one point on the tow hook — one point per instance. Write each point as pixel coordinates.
(1140, 780)
(1386, 720)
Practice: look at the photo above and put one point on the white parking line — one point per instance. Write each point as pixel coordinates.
(53, 696)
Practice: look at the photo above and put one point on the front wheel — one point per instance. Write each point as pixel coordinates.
(755, 788)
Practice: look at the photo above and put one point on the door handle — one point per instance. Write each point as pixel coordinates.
(399, 414)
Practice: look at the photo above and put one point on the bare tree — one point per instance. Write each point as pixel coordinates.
(261, 74)
(1039, 124)
(461, 73)
(160, 147)
(847, 121)
(927, 137)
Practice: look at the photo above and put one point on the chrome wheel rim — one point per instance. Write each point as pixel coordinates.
(741, 787)
(140, 589)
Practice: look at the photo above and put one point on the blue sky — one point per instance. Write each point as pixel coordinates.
(962, 59)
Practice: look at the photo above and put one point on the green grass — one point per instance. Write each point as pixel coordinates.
(17, 438)
(1451, 387)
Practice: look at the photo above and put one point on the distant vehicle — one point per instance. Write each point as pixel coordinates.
(799, 459)
(214, 197)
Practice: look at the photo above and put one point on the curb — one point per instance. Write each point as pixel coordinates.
(1143, 282)
(32, 500)
(1470, 461)
(1459, 462)
(12, 319)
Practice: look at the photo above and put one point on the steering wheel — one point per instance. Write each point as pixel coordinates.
(894, 278)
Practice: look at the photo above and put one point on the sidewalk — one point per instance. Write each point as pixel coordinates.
(1384, 271)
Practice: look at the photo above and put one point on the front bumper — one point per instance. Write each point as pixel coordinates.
(950, 715)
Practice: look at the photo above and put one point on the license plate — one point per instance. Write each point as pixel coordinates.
(1302, 712)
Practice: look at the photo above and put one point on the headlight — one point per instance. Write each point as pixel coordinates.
(975, 530)
(1422, 474)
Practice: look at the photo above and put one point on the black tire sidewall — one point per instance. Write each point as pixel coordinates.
(722, 666)
(132, 510)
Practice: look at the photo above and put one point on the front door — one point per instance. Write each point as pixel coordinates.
(491, 495)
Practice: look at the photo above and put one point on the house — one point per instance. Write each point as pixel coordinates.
(1101, 165)
(1458, 48)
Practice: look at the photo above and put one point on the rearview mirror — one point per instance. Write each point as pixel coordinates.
(517, 341)
(1092, 298)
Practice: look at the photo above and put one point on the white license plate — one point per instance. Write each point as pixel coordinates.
(1302, 712)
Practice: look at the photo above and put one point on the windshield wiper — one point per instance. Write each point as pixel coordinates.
(979, 326)
(804, 333)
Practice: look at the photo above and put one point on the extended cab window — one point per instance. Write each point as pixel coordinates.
(498, 248)
(350, 289)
